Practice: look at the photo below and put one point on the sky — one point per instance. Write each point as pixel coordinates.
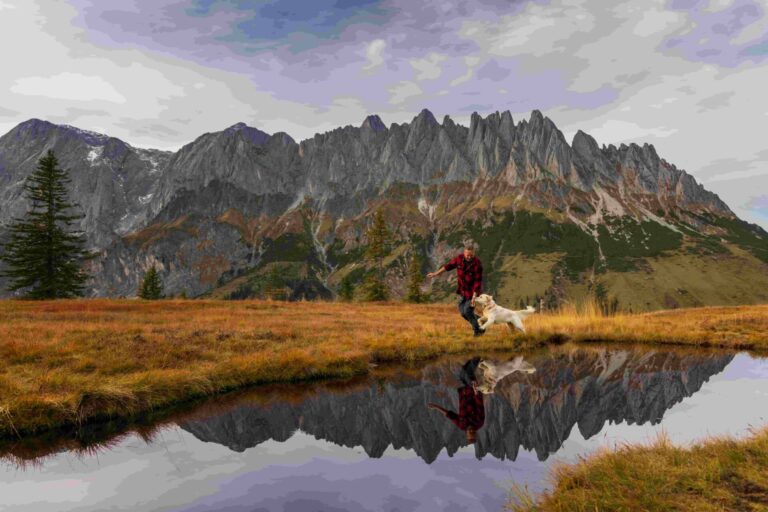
(688, 76)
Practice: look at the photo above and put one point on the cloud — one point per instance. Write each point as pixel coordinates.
(618, 131)
(687, 77)
(493, 71)
(374, 54)
(470, 63)
(738, 175)
(403, 91)
(727, 35)
(6, 112)
(716, 101)
(759, 205)
(428, 68)
(68, 86)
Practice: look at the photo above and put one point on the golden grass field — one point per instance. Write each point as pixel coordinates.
(64, 363)
(723, 475)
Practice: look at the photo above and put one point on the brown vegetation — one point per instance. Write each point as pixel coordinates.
(63, 363)
(715, 475)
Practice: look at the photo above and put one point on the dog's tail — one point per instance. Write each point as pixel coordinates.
(524, 313)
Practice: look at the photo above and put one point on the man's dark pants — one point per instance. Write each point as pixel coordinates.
(468, 312)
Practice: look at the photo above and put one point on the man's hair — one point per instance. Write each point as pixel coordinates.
(471, 245)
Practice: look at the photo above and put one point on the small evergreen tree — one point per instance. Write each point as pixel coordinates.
(379, 238)
(44, 254)
(415, 280)
(274, 284)
(346, 289)
(375, 288)
(151, 287)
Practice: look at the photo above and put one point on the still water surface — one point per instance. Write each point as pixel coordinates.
(374, 445)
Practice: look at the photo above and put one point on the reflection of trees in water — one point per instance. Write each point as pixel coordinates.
(578, 387)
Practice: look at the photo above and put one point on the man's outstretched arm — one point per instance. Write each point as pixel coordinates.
(437, 272)
(445, 268)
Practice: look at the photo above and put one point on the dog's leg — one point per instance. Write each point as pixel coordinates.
(511, 328)
(519, 324)
(485, 321)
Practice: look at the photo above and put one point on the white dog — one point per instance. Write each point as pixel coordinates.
(495, 314)
(491, 372)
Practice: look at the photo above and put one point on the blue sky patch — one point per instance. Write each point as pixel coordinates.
(297, 24)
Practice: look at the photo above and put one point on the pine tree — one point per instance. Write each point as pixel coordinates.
(274, 284)
(375, 289)
(151, 287)
(346, 289)
(379, 238)
(415, 280)
(44, 254)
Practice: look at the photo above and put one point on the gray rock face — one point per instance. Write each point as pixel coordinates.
(349, 161)
(205, 209)
(112, 181)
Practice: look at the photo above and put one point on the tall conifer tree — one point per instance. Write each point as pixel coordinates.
(415, 280)
(379, 238)
(346, 289)
(44, 254)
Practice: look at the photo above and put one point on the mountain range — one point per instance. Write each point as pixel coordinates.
(243, 213)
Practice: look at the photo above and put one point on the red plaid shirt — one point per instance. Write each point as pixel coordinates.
(471, 409)
(469, 275)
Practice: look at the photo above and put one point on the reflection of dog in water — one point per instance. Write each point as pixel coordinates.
(478, 377)
(489, 373)
(495, 314)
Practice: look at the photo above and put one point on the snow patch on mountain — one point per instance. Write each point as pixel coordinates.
(94, 154)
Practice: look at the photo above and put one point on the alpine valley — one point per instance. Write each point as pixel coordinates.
(242, 213)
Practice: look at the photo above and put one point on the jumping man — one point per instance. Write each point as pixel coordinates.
(469, 278)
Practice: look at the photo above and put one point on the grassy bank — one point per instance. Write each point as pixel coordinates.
(70, 362)
(715, 475)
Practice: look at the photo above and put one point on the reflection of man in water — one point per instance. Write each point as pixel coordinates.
(471, 414)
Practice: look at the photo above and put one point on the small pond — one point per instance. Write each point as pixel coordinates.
(373, 444)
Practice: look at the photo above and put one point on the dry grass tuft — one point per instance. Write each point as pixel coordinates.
(715, 475)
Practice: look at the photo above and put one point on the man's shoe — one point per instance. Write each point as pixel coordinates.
(479, 333)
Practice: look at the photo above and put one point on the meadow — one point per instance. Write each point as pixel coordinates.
(66, 363)
(721, 474)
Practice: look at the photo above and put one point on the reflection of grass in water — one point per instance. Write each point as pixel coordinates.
(720, 474)
(66, 363)
(89, 440)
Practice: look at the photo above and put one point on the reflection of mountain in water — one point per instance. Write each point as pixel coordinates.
(538, 411)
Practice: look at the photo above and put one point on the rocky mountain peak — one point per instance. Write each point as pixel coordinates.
(283, 138)
(425, 117)
(373, 123)
(38, 129)
(254, 135)
(585, 145)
